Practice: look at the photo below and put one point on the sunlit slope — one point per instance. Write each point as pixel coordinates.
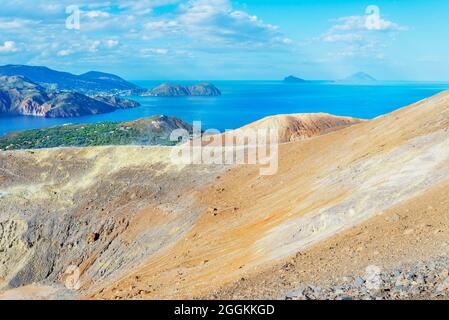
(139, 226)
(301, 126)
(324, 186)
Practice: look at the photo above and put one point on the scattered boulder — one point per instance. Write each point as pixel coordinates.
(92, 237)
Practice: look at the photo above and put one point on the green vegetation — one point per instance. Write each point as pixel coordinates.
(141, 132)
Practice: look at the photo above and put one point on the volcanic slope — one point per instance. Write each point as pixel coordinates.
(326, 187)
(141, 227)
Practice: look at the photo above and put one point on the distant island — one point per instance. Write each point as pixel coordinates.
(21, 96)
(43, 92)
(356, 78)
(359, 77)
(293, 79)
(203, 89)
(88, 83)
(155, 130)
(100, 83)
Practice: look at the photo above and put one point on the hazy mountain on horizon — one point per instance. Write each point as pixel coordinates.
(96, 82)
(87, 82)
(293, 79)
(359, 77)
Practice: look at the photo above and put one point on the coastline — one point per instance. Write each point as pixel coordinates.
(244, 102)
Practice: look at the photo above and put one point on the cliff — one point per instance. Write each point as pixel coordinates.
(20, 96)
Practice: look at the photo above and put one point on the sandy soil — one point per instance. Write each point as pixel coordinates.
(415, 231)
(325, 187)
(140, 227)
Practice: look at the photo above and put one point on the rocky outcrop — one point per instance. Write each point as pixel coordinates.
(204, 89)
(73, 104)
(168, 90)
(20, 96)
(174, 90)
(117, 102)
(293, 79)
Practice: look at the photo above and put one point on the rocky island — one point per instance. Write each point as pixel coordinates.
(95, 83)
(203, 89)
(293, 79)
(43, 92)
(21, 96)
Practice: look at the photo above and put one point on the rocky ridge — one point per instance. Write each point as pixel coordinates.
(21, 96)
(91, 82)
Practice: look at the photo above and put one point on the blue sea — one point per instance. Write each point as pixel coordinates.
(243, 102)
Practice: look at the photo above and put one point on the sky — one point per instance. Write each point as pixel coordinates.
(230, 40)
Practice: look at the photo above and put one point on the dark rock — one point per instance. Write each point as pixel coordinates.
(92, 237)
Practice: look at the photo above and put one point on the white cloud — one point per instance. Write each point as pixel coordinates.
(365, 23)
(147, 52)
(93, 46)
(96, 14)
(123, 30)
(161, 25)
(216, 21)
(283, 40)
(111, 43)
(161, 28)
(359, 28)
(64, 53)
(365, 35)
(347, 37)
(8, 47)
(369, 49)
(50, 7)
